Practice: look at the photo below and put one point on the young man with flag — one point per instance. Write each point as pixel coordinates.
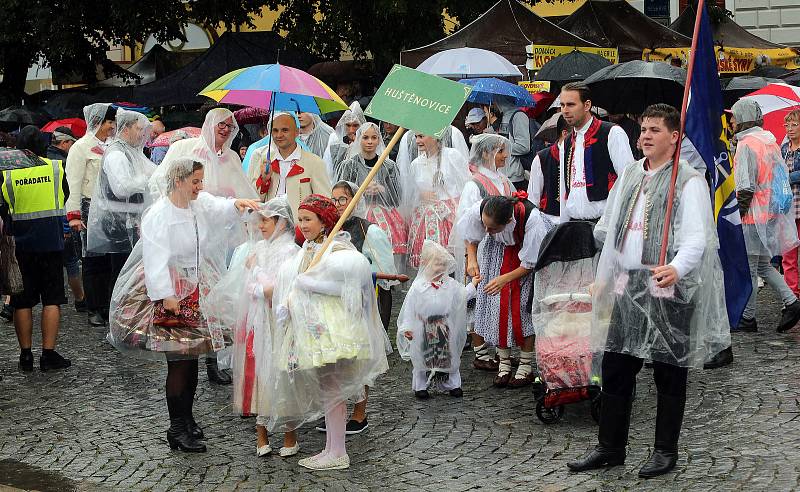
(669, 309)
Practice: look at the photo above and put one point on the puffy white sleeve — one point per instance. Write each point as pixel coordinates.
(469, 226)
(690, 238)
(155, 256)
(536, 228)
(217, 210)
(469, 197)
(121, 178)
(619, 148)
(536, 182)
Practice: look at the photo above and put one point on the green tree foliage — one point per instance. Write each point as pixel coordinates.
(74, 35)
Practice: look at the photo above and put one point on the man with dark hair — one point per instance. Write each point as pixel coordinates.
(543, 185)
(60, 143)
(33, 200)
(595, 153)
(672, 314)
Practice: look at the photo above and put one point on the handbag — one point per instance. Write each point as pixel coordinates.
(10, 274)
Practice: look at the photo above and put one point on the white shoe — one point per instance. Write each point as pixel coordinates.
(340, 463)
(263, 450)
(286, 452)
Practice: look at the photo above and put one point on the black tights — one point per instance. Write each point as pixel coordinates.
(181, 377)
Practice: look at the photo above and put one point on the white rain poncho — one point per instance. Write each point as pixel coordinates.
(330, 341)
(181, 253)
(371, 240)
(434, 314)
(317, 140)
(486, 179)
(408, 150)
(338, 145)
(224, 175)
(431, 191)
(241, 303)
(682, 325)
(383, 197)
(768, 230)
(562, 306)
(119, 195)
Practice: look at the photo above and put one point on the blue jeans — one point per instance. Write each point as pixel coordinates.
(72, 255)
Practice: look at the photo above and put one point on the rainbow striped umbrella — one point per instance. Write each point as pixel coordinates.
(275, 88)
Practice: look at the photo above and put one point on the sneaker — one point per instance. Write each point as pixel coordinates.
(355, 427)
(80, 306)
(53, 361)
(789, 317)
(26, 361)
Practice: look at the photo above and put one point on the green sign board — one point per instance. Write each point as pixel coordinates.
(418, 101)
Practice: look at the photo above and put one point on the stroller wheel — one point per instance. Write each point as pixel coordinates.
(549, 415)
(596, 409)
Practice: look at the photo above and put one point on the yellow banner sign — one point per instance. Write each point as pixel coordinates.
(534, 86)
(731, 60)
(539, 54)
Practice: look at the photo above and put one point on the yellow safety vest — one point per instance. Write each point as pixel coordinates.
(35, 192)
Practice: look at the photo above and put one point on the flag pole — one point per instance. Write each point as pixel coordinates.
(349, 210)
(687, 88)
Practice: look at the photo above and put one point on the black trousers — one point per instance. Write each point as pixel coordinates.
(620, 370)
(99, 275)
(385, 306)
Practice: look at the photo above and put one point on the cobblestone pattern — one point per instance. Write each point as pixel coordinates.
(101, 424)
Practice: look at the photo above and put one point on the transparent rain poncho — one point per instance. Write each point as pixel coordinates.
(181, 253)
(224, 175)
(119, 195)
(562, 306)
(434, 314)
(431, 191)
(241, 303)
(330, 341)
(682, 325)
(757, 162)
(486, 179)
(338, 144)
(452, 138)
(317, 140)
(382, 198)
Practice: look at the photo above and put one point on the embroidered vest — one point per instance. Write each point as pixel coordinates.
(597, 165)
(550, 202)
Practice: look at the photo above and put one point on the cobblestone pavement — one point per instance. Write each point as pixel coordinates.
(100, 425)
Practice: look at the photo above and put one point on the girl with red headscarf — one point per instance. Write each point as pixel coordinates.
(330, 341)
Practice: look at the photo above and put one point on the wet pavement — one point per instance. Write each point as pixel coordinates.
(100, 425)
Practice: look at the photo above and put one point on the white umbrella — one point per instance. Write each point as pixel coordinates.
(463, 63)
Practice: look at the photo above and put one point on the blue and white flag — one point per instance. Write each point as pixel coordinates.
(704, 132)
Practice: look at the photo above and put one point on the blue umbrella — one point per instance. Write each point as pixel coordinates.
(485, 90)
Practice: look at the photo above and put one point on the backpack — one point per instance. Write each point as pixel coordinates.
(780, 199)
(535, 144)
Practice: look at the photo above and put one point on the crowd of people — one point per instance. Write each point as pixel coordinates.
(204, 250)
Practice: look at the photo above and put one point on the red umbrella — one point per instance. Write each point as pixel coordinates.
(77, 125)
(776, 101)
(163, 140)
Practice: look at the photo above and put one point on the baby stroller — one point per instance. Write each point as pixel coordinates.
(562, 317)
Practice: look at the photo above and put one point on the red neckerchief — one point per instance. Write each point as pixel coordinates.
(275, 167)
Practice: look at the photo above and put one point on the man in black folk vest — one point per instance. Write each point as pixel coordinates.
(543, 187)
(595, 153)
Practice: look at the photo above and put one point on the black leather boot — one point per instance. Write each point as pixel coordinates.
(668, 429)
(612, 437)
(192, 428)
(177, 435)
(215, 375)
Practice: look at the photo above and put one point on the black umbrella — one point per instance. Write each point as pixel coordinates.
(632, 86)
(23, 115)
(792, 78)
(737, 87)
(17, 159)
(572, 67)
(769, 71)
